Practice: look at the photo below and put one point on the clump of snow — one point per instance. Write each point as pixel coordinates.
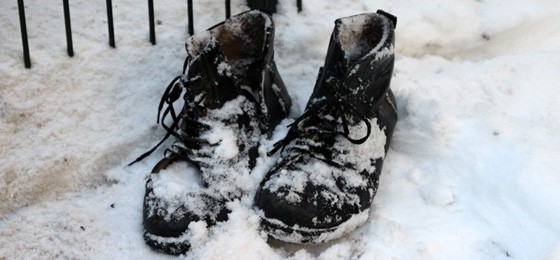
(224, 69)
(199, 233)
(224, 165)
(225, 142)
(177, 177)
(239, 233)
(472, 171)
(179, 184)
(199, 42)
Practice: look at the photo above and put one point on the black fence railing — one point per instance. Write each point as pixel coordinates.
(70, 46)
(265, 5)
(23, 26)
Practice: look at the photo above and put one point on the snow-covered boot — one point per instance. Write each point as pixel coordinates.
(324, 181)
(233, 95)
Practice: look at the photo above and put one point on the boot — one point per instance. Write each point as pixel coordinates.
(324, 181)
(233, 96)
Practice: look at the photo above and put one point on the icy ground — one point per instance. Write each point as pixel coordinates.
(472, 172)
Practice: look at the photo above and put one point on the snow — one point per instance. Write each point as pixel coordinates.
(471, 173)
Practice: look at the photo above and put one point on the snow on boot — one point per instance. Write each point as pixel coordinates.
(324, 181)
(233, 95)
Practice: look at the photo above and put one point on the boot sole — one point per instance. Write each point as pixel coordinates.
(169, 245)
(303, 235)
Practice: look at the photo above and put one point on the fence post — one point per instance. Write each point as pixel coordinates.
(152, 23)
(190, 17)
(23, 26)
(299, 6)
(110, 23)
(263, 5)
(69, 45)
(228, 9)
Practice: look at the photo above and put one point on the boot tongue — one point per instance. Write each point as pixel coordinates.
(210, 77)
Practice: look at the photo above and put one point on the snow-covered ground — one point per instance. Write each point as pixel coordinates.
(472, 172)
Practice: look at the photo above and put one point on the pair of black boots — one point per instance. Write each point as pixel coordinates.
(327, 173)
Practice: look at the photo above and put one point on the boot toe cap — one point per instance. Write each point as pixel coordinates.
(315, 208)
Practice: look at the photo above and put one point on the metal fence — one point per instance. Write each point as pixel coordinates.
(265, 5)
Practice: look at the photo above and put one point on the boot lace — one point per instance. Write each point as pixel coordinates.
(316, 129)
(189, 115)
